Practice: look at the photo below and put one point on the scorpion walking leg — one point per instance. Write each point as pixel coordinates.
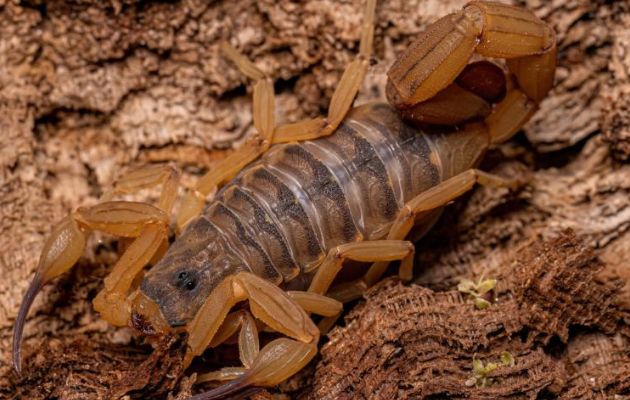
(279, 359)
(344, 95)
(248, 343)
(146, 177)
(263, 116)
(431, 199)
(371, 251)
(316, 303)
(327, 307)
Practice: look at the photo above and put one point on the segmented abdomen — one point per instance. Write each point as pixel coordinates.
(299, 200)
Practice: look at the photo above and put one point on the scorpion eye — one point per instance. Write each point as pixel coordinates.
(191, 284)
(186, 280)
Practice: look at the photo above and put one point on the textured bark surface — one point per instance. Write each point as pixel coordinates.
(88, 88)
(411, 342)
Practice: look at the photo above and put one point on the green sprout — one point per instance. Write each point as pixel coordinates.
(480, 377)
(479, 291)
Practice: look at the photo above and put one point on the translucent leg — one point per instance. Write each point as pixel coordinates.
(267, 302)
(277, 361)
(433, 198)
(147, 177)
(344, 95)
(248, 336)
(263, 115)
(377, 250)
(270, 304)
(316, 303)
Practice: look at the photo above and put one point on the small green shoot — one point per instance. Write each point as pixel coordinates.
(479, 291)
(480, 377)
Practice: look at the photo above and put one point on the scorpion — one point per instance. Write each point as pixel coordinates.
(297, 201)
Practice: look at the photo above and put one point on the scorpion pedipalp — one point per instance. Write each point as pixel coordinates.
(66, 243)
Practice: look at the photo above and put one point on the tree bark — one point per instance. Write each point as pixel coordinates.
(89, 88)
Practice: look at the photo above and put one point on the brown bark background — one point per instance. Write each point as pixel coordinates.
(88, 88)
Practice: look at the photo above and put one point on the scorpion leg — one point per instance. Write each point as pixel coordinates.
(248, 346)
(147, 177)
(431, 199)
(233, 321)
(267, 302)
(263, 116)
(111, 302)
(224, 374)
(370, 251)
(326, 306)
(344, 94)
(316, 303)
(276, 362)
(248, 337)
(279, 359)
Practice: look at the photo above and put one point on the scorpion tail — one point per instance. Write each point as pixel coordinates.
(230, 388)
(18, 329)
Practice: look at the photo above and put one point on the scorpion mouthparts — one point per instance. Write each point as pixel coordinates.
(18, 328)
(146, 316)
(141, 324)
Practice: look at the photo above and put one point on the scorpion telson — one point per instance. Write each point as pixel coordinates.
(348, 186)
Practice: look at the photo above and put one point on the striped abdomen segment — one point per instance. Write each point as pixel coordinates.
(301, 199)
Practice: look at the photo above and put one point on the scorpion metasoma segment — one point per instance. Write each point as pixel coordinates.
(283, 219)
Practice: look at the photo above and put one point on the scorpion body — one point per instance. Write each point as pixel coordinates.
(281, 215)
(284, 219)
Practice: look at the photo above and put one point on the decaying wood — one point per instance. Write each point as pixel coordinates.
(411, 342)
(89, 87)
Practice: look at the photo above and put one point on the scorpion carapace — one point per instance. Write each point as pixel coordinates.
(350, 186)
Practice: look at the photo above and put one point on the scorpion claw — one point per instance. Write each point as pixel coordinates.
(18, 329)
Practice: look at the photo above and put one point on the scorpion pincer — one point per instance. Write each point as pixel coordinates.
(348, 186)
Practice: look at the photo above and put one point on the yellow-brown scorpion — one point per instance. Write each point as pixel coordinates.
(298, 200)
